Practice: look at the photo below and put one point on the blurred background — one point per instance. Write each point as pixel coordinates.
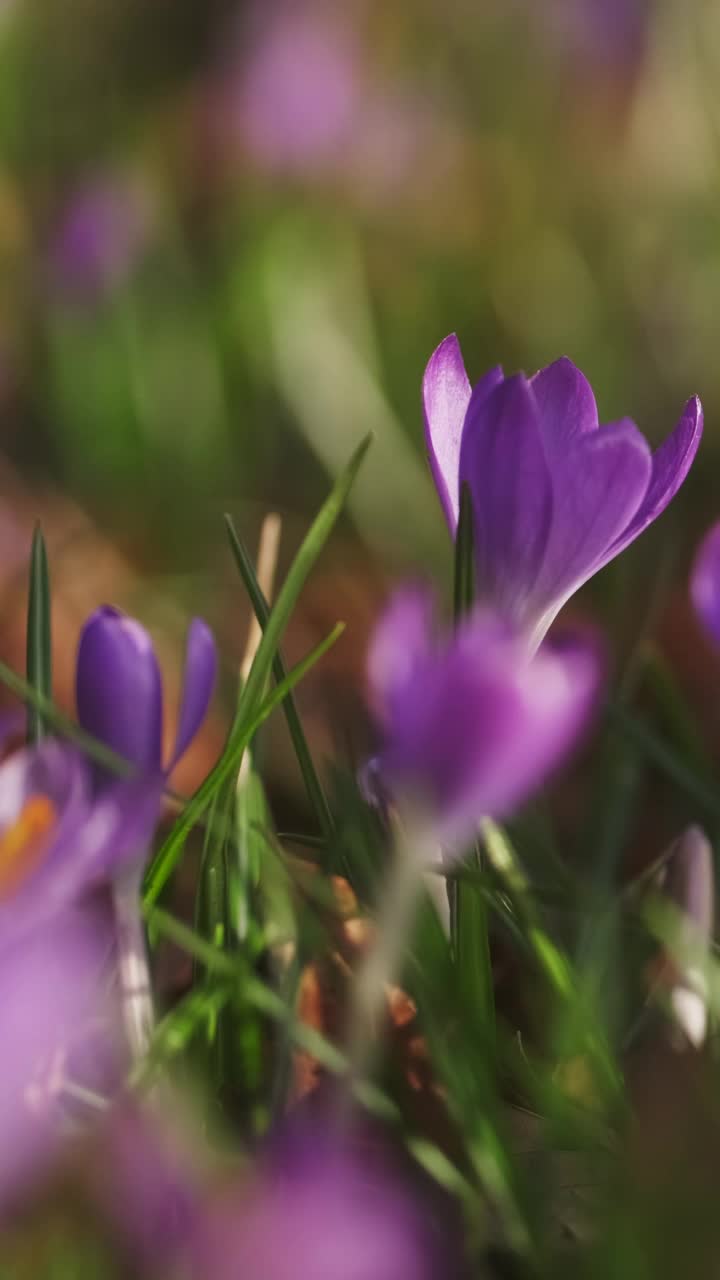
(231, 233)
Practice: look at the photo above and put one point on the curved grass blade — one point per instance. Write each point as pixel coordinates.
(313, 785)
(38, 643)
(464, 586)
(468, 908)
(170, 851)
(310, 549)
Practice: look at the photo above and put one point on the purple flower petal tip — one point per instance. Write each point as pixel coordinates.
(198, 685)
(446, 396)
(555, 495)
(119, 687)
(471, 723)
(345, 1211)
(705, 583)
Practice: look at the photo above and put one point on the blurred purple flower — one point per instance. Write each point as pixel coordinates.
(609, 34)
(151, 1189)
(472, 724)
(99, 237)
(554, 496)
(296, 99)
(705, 583)
(119, 687)
(59, 839)
(52, 1001)
(323, 1212)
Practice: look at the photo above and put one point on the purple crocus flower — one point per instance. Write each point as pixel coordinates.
(52, 1003)
(120, 702)
(119, 688)
(323, 1211)
(554, 496)
(298, 95)
(471, 723)
(98, 238)
(705, 583)
(60, 839)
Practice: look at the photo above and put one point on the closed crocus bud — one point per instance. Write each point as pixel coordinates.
(471, 724)
(554, 495)
(690, 884)
(119, 687)
(705, 583)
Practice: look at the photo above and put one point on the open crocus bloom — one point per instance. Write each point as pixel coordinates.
(119, 687)
(60, 839)
(554, 495)
(472, 723)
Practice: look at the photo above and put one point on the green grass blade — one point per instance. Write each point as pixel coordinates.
(310, 549)
(313, 785)
(472, 953)
(464, 587)
(39, 655)
(468, 909)
(170, 851)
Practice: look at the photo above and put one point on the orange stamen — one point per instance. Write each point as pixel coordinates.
(22, 843)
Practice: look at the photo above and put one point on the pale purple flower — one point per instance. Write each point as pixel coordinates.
(61, 839)
(705, 583)
(555, 496)
(472, 724)
(298, 93)
(119, 688)
(152, 1190)
(689, 883)
(323, 1212)
(99, 236)
(120, 702)
(53, 1002)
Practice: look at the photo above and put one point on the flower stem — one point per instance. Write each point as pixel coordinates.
(382, 964)
(134, 974)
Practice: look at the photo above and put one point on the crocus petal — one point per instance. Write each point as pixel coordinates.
(553, 700)
(566, 404)
(51, 996)
(705, 583)
(446, 396)
(92, 837)
(480, 724)
(597, 488)
(401, 643)
(503, 461)
(670, 465)
(343, 1211)
(198, 684)
(119, 688)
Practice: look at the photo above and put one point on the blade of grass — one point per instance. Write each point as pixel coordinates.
(464, 584)
(170, 851)
(310, 549)
(313, 786)
(468, 909)
(38, 643)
